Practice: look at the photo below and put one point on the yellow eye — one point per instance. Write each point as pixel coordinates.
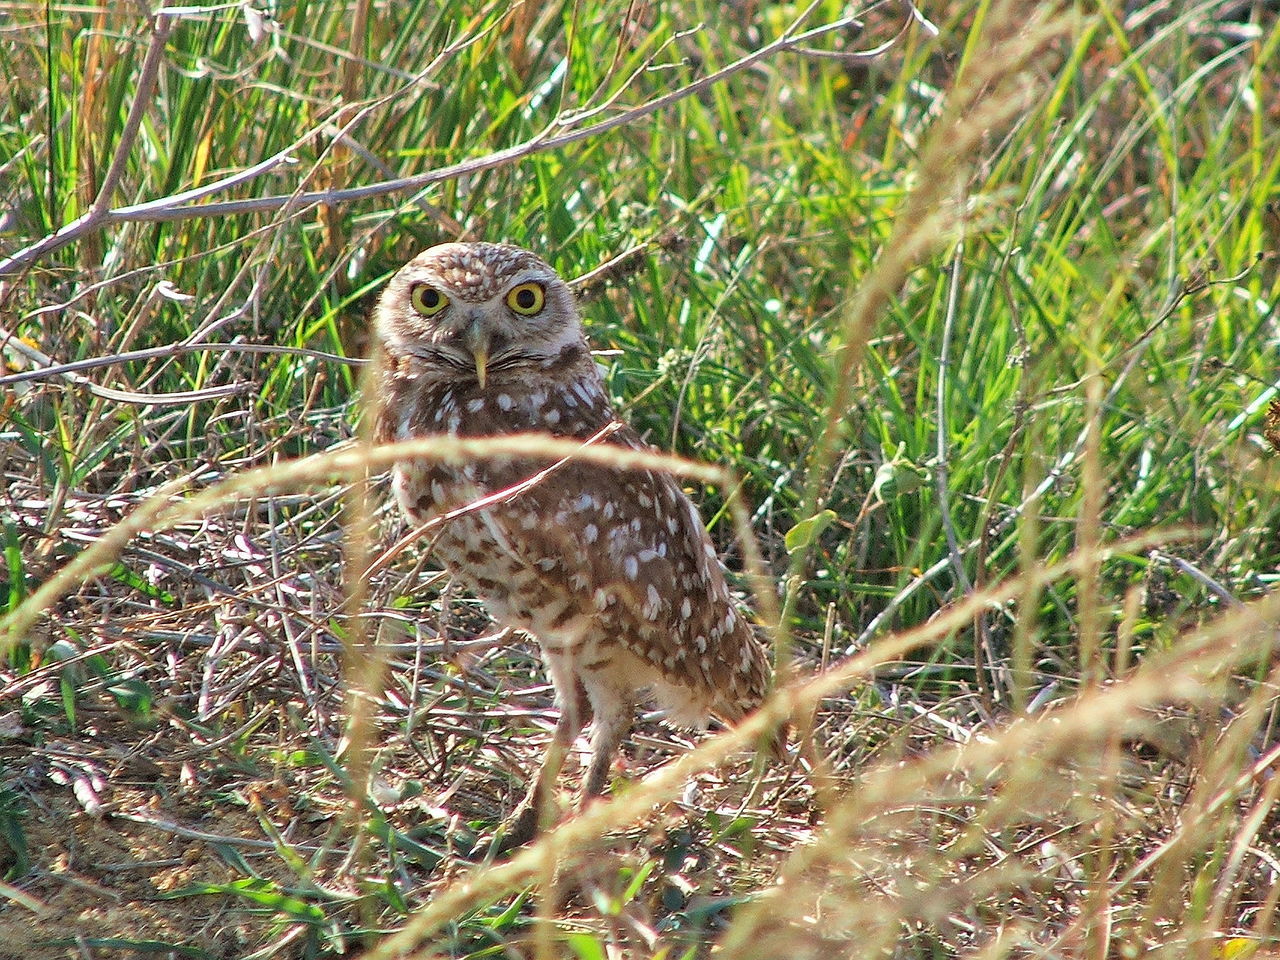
(427, 300)
(527, 299)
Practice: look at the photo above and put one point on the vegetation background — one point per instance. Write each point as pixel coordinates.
(970, 306)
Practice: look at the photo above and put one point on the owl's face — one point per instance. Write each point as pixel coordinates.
(472, 310)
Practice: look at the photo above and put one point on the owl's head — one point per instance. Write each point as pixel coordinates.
(472, 310)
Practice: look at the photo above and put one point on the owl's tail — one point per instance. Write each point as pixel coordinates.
(731, 711)
(775, 742)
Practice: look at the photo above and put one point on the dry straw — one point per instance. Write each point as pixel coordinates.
(879, 860)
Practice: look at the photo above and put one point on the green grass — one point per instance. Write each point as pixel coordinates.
(1075, 348)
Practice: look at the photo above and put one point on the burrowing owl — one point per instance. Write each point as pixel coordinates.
(611, 571)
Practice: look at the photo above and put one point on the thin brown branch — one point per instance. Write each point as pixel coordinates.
(178, 207)
(98, 213)
(49, 369)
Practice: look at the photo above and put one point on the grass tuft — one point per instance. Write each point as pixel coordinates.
(966, 347)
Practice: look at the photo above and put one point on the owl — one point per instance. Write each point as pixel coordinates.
(610, 571)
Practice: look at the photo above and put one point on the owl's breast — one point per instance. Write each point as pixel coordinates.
(513, 402)
(523, 402)
(427, 489)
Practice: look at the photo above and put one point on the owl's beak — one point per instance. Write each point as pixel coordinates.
(477, 342)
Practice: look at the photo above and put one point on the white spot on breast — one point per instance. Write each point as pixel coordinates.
(548, 564)
(437, 491)
(632, 567)
(475, 405)
(552, 417)
(601, 599)
(686, 608)
(590, 533)
(672, 524)
(645, 500)
(701, 643)
(647, 555)
(654, 605)
(403, 429)
(609, 509)
(537, 399)
(504, 401)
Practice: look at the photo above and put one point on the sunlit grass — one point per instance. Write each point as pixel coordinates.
(1075, 345)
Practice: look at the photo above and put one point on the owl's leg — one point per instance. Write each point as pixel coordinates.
(536, 810)
(614, 708)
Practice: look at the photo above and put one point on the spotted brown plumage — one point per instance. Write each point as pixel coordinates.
(610, 570)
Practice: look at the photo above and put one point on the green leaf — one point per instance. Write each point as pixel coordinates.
(132, 695)
(898, 477)
(503, 920)
(390, 894)
(586, 947)
(261, 892)
(68, 690)
(12, 835)
(124, 575)
(803, 535)
(17, 586)
(638, 880)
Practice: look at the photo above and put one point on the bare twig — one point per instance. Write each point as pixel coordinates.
(1195, 573)
(590, 284)
(940, 472)
(866, 56)
(181, 207)
(50, 369)
(187, 833)
(98, 213)
(68, 371)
